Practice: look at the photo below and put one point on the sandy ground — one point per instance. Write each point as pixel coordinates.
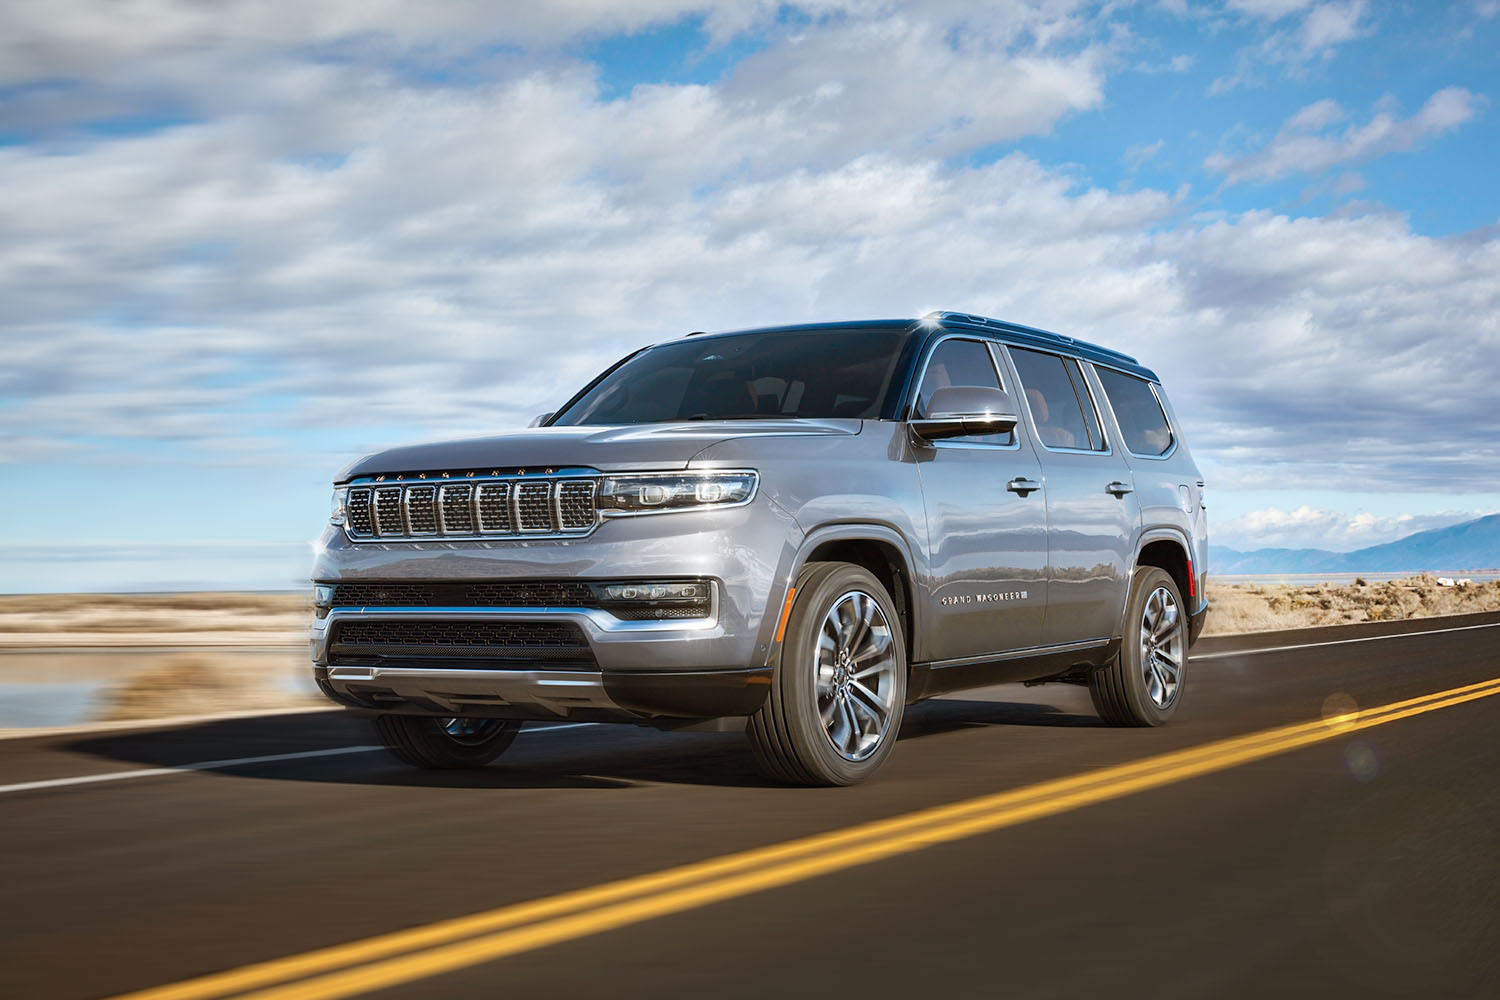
(1248, 607)
(154, 613)
(143, 662)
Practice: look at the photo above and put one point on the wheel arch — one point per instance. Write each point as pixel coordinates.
(1166, 549)
(881, 550)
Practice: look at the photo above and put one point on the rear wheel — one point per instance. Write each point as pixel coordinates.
(1143, 685)
(839, 691)
(445, 744)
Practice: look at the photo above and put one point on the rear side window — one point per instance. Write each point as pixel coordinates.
(1061, 406)
(961, 362)
(1138, 412)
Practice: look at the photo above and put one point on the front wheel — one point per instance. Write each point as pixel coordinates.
(839, 690)
(1143, 684)
(445, 744)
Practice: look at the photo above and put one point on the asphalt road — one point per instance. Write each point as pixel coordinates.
(1362, 860)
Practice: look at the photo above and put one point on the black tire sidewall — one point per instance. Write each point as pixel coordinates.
(1141, 705)
(421, 740)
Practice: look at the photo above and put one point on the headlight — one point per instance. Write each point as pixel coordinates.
(662, 491)
(339, 509)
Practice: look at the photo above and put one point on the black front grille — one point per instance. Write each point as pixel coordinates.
(498, 594)
(487, 641)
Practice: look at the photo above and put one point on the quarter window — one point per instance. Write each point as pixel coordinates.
(1061, 406)
(960, 362)
(1138, 412)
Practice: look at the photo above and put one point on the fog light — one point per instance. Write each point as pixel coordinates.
(638, 600)
(654, 591)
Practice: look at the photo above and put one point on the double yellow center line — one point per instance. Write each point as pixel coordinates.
(405, 956)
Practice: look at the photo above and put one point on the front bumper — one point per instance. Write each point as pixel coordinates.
(583, 695)
(692, 669)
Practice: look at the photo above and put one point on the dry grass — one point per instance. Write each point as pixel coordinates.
(189, 684)
(1253, 607)
(205, 612)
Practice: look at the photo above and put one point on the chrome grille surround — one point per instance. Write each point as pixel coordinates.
(559, 503)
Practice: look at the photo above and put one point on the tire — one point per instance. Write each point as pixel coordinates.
(1143, 685)
(445, 744)
(839, 690)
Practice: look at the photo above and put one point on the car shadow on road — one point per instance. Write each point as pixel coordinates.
(602, 756)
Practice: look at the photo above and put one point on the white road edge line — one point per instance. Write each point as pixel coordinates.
(1337, 642)
(215, 765)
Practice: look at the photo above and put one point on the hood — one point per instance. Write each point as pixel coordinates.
(610, 449)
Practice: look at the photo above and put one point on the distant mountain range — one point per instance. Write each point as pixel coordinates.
(1470, 545)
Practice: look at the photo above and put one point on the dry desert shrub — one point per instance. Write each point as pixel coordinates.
(188, 684)
(1261, 607)
(192, 612)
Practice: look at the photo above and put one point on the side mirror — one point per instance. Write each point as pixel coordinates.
(966, 409)
(540, 419)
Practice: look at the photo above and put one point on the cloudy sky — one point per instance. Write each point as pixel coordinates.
(243, 242)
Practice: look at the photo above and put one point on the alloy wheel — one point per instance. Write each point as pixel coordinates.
(855, 679)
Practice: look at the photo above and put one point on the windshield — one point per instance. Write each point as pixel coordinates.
(817, 373)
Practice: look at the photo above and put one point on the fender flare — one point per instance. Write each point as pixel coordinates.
(855, 531)
(1161, 534)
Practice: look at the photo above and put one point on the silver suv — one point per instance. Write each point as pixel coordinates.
(797, 531)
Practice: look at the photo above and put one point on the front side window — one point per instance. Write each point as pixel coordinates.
(1061, 406)
(749, 376)
(960, 362)
(1138, 412)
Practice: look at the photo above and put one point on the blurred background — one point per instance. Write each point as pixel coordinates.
(243, 243)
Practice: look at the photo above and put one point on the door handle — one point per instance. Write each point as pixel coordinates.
(1118, 488)
(1023, 486)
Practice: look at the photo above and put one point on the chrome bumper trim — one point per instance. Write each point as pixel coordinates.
(554, 691)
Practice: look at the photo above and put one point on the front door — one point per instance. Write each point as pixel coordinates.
(987, 533)
(1092, 511)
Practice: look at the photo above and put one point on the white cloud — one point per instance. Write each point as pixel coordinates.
(1312, 528)
(1304, 144)
(1330, 24)
(1139, 154)
(1290, 48)
(345, 254)
(1270, 10)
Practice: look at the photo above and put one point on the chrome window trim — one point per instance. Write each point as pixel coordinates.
(909, 409)
(1031, 417)
(1165, 416)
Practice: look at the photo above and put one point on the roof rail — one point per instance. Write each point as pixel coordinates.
(973, 319)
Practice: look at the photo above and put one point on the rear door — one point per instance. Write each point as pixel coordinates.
(1092, 513)
(987, 533)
